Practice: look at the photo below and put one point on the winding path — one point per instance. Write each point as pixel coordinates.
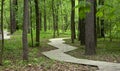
(59, 54)
(6, 36)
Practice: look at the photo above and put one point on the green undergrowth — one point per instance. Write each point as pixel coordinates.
(105, 51)
(13, 50)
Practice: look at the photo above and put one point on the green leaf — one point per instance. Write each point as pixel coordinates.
(99, 14)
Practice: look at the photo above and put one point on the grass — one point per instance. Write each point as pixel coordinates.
(106, 50)
(13, 55)
(13, 51)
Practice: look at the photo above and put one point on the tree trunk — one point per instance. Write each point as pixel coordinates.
(66, 22)
(53, 13)
(1, 28)
(57, 20)
(37, 23)
(73, 34)
(102, 22)
(81, 28)
(45, 21)
(79, 22)
(31, 24)
(16, 11)
(25, 26)
(110, 32)
(82, 32)
(40, 20)
(102, 29)
(98, 27)
(12, 16)
(90, 43)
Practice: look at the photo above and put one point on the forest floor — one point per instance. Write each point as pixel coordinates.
(106, 50)
(37, 61)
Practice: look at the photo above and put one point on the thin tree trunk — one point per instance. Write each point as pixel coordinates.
(66, 22)
(25, 26)
(98, 27)
(40, 20)
(15, 3)
(110, 32)
(102, 29)
(2, 45)
(79, 22)
(73, 34)
(45, 21)
(12, 16)
(30, 21)
(82, 32)
(53, 13)
(102, 22)
(31, 25)
(37, 23)
(57, 20)
(81, 28)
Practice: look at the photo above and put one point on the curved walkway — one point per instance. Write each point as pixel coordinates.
(59, 54)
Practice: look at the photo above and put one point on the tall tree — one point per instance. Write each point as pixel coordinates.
(57, 17)
(81, 28)
(25, 28)
(90, 38)
(73, 34)
(31, 23)
(79, 22)
(2, 44)
(45, 21)
(13, 16)
(102, 22)
(53, 14)
(82, 32)
(15, 4)
(37, 12)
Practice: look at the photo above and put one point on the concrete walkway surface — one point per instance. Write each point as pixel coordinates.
(59, 54)
(6, 36)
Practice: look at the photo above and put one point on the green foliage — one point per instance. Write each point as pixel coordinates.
(7, 62)
(100, 10)
(109, 12)
(84, 8)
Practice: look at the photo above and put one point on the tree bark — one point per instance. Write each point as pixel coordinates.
(102, 29)
(45, 21)
(37, 23)
(90, 43)
(2, 32)
(15, 3)
(81, 28)
(79, 22)
(57, 19)
(66, 22)
(25, 26)
(82, 32)
(53, 13)
(73, 34)
(31, 30)
(102, 22)
(12, 16)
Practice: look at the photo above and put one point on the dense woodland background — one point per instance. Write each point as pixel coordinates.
(36, 21)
